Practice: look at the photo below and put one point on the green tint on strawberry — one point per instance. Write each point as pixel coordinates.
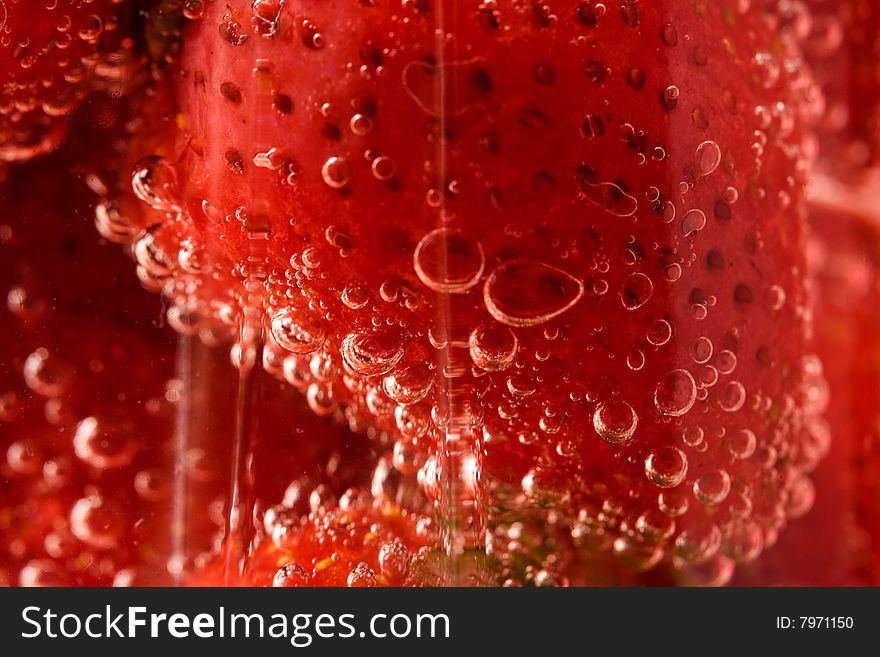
(52, 54)
(554, 249)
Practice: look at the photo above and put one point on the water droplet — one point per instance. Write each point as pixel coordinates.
(449, 260)
(676, 393)
(615, 421)
(636, 291)
(708, 157)
(666, 467)
(528, 293)
(297, 331)
(492, 346)
(372, 352)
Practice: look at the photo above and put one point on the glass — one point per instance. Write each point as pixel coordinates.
(452, 293)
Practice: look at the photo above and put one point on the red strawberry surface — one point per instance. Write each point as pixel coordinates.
(356, 541)
(838, 543)
(842, 46)
(99, 407)
(52, 54)
(556, 249)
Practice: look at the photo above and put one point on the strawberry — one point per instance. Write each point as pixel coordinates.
(94, 401)
(842, 46)
(83, 476)
(555, 248)
(843, 530)
(357, 541)
(51, 57)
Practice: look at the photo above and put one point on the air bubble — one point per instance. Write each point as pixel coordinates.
(676, 393)
(609, 196)
(409, 384)
(732, 396)
(635, 360)
(708, 157)
(741, 444)
(666, 467)
(193, 9)
(267, 14)
(725, 361)
(45, 374)
(702, 349)
(290, 575)
(692, 436)
(336, 172)
(372, 352)
(355, 296)
(383, 168)
(712, 487)
(102, 445)
(492, 347)
(154, 181)
(659, 332)
(637, 290)
(775, 297)
(449, 260)
(692, 222)
(528, 293)
(97, 522)
(297, 331)
(615, 421)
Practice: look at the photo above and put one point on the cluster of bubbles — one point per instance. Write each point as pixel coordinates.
(487, 380)
(51, 70)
